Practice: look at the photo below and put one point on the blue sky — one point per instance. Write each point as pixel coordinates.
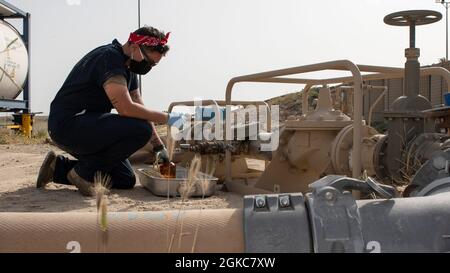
(213, 41)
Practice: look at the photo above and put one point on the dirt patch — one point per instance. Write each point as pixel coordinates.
(19, 165)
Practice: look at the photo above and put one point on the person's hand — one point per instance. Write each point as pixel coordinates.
(177, 119)
(162, 154)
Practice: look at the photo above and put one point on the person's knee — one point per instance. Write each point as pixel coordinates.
(124, 182)
(142, 131)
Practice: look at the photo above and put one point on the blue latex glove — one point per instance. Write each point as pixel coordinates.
(177, 119)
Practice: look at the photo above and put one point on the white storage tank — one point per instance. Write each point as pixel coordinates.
(13, 62)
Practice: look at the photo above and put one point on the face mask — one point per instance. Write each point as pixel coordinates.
(141, 68)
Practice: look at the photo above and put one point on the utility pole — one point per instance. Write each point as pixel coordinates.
(445, 4)
(139, 26)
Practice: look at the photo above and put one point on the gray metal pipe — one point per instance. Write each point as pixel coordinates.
(420, 224)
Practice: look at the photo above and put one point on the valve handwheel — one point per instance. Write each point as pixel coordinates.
(412, 17)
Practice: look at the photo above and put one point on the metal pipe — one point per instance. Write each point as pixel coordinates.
(445, 4)
(379, 69)
(203, 231)
(216, 104)
(289, 80)
(415, 224)
(338, 100)
(385, 72)
(305, 105)
(26, 38)
(339, 89)
(348, 80)
(20, 13)
(139, 26)
(436, 71)
(333, 65)
(372, 107)
(412, 34)
(139, 13)
(318, 81)
(399, 74)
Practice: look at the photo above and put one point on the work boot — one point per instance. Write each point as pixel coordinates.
(84, 187)
(47, 170)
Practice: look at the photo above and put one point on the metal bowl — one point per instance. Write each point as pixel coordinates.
(203, 186)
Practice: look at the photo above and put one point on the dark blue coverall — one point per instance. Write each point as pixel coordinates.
(81, 124)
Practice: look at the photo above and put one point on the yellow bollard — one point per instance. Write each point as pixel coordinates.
(26, 125)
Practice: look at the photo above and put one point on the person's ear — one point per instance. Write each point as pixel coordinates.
(136, 51)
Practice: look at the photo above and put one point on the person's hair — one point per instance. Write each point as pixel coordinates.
(153, 32)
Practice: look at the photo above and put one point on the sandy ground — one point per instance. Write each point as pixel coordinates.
(19, 165)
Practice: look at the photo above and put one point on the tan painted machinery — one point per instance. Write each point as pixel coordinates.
(326, 141)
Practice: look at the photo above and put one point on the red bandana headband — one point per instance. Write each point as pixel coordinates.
(147, 40)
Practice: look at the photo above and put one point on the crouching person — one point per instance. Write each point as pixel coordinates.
(81, 124)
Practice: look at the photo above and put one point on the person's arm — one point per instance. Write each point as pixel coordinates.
(136, 96)
(155, 140)
(117, 91)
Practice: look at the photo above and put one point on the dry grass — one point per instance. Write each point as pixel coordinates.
(210, 168)
(188, 187)
(161, 130)
(101, 187)
(186, 191)
(411, 166)
(170, 149)
(9, 136)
